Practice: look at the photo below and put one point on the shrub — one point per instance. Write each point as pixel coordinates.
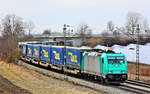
(110, 41)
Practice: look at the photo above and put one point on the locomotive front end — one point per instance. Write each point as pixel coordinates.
(116, 67)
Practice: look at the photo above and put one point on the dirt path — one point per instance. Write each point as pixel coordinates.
(6, 87)
(37, 83)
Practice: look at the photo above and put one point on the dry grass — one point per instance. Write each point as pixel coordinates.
(144, 72)
(38, 83)
(92, 42)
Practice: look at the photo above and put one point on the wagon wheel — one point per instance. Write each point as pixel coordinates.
(102, 80)
(106, 81)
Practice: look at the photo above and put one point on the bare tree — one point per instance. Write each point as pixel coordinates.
(84, 31)
(12, 26)
(133, 19)
(146, 27)
(47, 32)
(116, 33)
(29, 26)
(110, 26)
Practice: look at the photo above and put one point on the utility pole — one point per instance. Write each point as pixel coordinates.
(137, 53)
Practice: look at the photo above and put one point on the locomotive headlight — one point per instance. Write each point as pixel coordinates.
(110, 72)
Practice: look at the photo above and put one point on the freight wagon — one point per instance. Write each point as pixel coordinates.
(73, 59)
(45, 55)
(57, 57)
(36, 53)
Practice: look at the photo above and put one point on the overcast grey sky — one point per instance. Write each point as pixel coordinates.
(54, 13)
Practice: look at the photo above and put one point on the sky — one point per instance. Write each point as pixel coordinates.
(52, 14)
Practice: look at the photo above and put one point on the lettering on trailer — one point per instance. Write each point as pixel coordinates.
(57, 55)
(36, 52)
(73, 57)
(45, 53)
(29, 51)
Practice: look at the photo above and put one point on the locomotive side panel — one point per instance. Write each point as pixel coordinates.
(91, 65)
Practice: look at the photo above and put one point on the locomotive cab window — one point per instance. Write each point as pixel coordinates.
(115, 59)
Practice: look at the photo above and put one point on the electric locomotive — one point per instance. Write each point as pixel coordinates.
(109, 67)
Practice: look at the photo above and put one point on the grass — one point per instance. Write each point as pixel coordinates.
(37, 83)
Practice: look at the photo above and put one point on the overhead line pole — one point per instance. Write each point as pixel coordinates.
(64, 31)
(137, 53)
(65, 34)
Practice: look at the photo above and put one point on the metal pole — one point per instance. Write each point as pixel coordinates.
(64, 31)
(137, 53)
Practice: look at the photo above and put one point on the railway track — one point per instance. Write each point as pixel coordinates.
(86, 83)
(129, 87)
(140, 83)
(138, 87)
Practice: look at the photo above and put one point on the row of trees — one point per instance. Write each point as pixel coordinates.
(132, 20)
(134, 23)
(14, 27)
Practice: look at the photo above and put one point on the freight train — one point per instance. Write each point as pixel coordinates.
(105, 66)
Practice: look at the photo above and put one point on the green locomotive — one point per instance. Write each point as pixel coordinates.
(109, 67)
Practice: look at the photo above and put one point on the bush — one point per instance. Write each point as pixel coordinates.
(9, 50)
(92, 42)
(110, 41)
(13, 56)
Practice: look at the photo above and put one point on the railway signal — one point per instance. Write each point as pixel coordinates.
(64, 31)
(65, 34)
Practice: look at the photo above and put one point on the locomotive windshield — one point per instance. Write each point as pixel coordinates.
(115, 59)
